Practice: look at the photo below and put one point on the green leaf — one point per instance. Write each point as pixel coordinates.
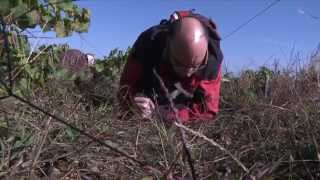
(29, 70)
(5, 7)
(46, 18)
(60, 29)
(54, 3)
(64, 74)
(66, 6)
(72, 134)
(19, 8)
(24, 83)
(3, 124)
(24, 140)
(99, 67)
(41, 81)
(34, 18)
(84, 76)
(86, 14)
(83, 27)
(68, 26)
(32, 3)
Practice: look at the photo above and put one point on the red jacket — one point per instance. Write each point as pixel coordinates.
(149, 53)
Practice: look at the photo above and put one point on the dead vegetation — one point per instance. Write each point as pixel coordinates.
(268, 128)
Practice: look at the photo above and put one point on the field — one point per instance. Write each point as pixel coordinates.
(267, 128)
(57, 124)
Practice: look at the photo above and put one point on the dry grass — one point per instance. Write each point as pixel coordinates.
(274, 134)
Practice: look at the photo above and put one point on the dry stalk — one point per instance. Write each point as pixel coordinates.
(177, 121)
(137, 139)
(78, 151)
(173, 163)
(214, 144)
(43, 140)
(4, 97)
(10, 93)
(161, 132)
(121, 152)
(74, 108)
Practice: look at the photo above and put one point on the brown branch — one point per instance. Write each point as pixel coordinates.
(178, 121)
(42, 142)
(4, 97)
(214, 144)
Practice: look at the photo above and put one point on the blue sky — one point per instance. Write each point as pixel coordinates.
(273, 35)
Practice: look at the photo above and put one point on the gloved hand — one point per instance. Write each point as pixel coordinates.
(146, 106)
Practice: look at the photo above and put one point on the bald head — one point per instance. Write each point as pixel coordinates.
(189, 42)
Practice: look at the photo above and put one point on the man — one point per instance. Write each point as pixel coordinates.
(185, 52)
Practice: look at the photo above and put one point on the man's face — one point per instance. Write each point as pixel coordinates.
(182, 69)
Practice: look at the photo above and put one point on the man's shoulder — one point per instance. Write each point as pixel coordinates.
(212, 69)
(154, 34)
(149, 43)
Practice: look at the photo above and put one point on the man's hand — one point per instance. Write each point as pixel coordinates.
(145, 105)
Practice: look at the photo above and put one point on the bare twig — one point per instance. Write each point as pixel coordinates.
(121, 152)
(4, 97)
(137, 139)
(9, 155)
(77, 151)
(173, 163)
(161, 133)
(43, 140)
(178, 121)
(214, 144)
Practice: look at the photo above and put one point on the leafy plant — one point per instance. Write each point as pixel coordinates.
(61, 16)
(33, 68)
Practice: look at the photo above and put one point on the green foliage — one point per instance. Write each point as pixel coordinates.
(72, 134)
(64, 74)
(41, 66)
(252, 85)
(110, 66)
(33, 68)
(255, 83)
(63, 16)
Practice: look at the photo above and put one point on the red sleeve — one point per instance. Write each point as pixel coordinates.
(130, 76)
(209, 108)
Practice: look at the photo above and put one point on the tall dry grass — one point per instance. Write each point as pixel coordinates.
(269, 122)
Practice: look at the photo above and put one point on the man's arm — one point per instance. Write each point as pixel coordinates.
(128, 94)
(130, 76)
